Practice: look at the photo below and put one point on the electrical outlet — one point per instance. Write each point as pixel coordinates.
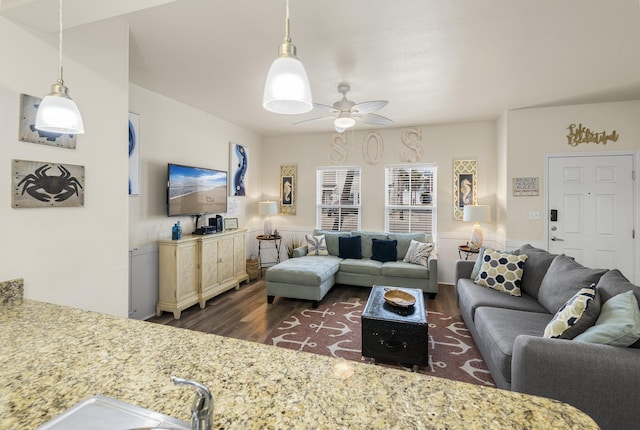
(534, 215)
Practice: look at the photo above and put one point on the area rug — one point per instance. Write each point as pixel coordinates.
(334, 329)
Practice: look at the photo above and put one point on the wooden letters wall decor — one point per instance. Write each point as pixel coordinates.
(579, 134)
(373, 147)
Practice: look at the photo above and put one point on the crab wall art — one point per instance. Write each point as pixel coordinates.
(41, 184)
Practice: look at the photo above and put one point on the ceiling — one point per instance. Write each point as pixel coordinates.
(436, 61)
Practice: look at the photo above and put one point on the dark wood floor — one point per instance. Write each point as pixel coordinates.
(245, 314)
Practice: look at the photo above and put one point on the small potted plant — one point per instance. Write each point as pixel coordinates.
(292, 242)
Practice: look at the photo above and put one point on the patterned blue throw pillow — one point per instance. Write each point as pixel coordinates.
(574, 317)
(316, 245)
(502, 272)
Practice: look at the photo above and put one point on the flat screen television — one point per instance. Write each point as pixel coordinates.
(195, 190)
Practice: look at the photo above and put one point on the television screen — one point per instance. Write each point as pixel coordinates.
(196, 190)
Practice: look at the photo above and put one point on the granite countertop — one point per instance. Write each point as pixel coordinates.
(53, 357)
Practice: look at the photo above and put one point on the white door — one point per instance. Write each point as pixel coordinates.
(591, 210)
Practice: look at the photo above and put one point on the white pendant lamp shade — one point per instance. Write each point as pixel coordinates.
(287, 89)
(57, 113)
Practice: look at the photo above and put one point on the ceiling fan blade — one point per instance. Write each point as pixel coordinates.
(368, 107)
(313, 119)
(325, 108)
(372, 118)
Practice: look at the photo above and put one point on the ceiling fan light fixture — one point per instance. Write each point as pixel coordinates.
(57, 112)
(287, 90)
(344, 122)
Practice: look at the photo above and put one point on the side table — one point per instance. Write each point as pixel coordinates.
(467, 251)
(277, 241)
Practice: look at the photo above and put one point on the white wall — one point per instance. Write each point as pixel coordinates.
(532, 133)
(70, 256)
(172, 132)
(441, 145)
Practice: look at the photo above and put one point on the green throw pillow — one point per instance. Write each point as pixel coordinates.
(574, 317)
(502, 272)
(618, 323)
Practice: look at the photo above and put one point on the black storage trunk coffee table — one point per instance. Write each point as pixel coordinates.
(395, 333)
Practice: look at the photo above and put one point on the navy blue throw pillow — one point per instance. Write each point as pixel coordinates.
(350, 247)
(384, 250)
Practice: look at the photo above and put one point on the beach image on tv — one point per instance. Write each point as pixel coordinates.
(194, 190)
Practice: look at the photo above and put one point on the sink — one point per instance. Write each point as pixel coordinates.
(105, 413)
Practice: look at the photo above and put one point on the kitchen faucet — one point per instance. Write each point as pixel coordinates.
(202, 408)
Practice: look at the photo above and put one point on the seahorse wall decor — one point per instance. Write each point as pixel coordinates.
(465, 174)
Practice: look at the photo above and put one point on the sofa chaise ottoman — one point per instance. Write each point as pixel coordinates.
(311, 277)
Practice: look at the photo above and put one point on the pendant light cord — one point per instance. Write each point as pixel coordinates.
(287, 34)
(60, 43)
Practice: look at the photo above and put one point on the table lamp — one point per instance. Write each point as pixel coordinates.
(476, 214)
(267, 209)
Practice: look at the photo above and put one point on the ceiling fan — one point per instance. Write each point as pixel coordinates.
(345, 113)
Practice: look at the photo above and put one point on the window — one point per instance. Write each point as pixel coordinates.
(338, 198)
(410, 201)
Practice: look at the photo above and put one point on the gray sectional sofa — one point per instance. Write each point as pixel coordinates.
(311, 277)
(602, 380)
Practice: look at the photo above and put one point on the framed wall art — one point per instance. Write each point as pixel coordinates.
(134, 153)
(36, 184)
(526, 186)
(230, 223)
(238, 168)
(27, 129)
(465, 175)
(288, 190)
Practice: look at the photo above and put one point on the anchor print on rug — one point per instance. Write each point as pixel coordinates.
(334, 330)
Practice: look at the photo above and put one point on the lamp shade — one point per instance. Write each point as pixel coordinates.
(287, 89)
(267, 208)
(476, 213)
(57, 113)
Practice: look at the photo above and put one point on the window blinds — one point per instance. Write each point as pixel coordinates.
(338, 198)
(410, 201)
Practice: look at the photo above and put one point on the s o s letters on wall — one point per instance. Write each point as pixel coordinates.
(27, 130)
(238, 168)
(36, 184)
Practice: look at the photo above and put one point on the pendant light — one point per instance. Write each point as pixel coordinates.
(57, 113)
(287, 89)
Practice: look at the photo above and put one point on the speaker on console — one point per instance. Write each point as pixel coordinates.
(216, 223)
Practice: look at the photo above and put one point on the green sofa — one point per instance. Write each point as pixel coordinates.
(311, 277)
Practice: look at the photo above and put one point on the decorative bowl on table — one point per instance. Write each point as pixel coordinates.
(399, 298)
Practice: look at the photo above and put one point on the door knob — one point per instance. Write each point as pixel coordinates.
(553, 238)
